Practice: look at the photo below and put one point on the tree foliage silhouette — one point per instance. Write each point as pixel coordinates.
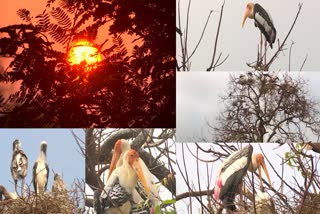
(127, 89)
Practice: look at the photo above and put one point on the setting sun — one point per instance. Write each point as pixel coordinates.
(83, 51)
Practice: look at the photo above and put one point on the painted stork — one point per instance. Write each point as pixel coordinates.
(19, 165)
(117, 195)
(230, 176)
(263, 21)
(41, 170)
(58, 185)
(120, 147)
(7, 195)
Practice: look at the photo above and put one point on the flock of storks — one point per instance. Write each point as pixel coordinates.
(129, 184)
(40, 175)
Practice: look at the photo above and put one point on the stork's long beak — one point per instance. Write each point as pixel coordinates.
(246, 14)
(115, 157)
(263, 165)
(138, 169)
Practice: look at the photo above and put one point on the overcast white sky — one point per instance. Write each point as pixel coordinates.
(198, 100)
(242, 44)
(272, 151)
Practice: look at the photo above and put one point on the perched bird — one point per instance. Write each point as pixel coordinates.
(19, 165)
(41, 170)
(117, 194)
(7, 195)
(230, 176)
(262, 20)
(58, 185)
(122, 146)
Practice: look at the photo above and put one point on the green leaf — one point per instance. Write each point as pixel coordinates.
(168, 202)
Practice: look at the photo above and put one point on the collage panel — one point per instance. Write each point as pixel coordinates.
(248, 178)
(215, 35)
(41, 171)
(81, 64)
(257, 106)
(130, 171)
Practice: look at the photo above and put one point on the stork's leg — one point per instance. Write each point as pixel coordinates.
(261, 43)
(265, 53)
(241, 198)
(22, 187)
(16, 186)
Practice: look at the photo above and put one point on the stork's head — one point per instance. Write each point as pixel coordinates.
(260, 161)
(16, 145)
(120, 147)
(56, 176)
(248, 12)
(134, 163)
(43, 147)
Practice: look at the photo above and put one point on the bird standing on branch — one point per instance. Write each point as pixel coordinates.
(232, 172)
(230, 176)
(263, 21)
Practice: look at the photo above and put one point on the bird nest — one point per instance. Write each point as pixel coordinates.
(42, 204)
(311, 204)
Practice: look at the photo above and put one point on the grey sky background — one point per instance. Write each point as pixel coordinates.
(242, 44)
(273, 152)
(198, 100)
(62, 155)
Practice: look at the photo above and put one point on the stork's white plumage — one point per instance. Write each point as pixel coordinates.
(120, 147)
(19, 165)
(262, 20)
(264, 204)
(41, 170)
(58, 185)
(117, 195)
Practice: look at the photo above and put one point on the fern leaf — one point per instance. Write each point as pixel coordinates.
(62, 18)
(24, 14)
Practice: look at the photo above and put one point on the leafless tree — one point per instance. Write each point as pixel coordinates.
(186, 54)
(267, 107)
(155, 147)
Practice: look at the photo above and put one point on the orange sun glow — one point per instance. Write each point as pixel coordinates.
(84, 51)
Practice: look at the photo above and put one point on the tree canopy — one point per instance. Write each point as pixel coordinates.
(267, 107)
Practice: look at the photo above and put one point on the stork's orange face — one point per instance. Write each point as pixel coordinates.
(248, 13)
(115, 157)
(133, 159)
(261, 163)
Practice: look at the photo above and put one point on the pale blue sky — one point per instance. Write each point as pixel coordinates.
(63, 156)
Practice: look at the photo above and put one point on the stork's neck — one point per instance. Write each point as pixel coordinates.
(253, 165)
(131, 178)
(43, 156)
